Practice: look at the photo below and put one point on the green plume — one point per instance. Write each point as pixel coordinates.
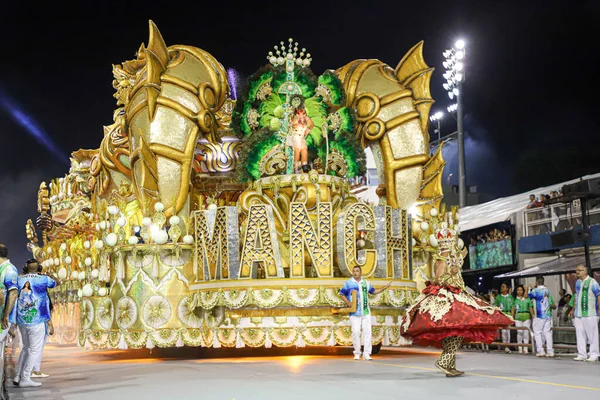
(252, 152)
(317, 111)
(347, 121)
(255, 85)
(245, 100)
(267, 109)
(333, 83)
(240, 121)
(353, 153)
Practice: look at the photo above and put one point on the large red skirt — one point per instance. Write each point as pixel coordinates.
(473, 324)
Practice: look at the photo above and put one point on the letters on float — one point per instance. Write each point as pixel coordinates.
(218, 242)
(261, 247)
(318, 243)
(391, 242)
(353, 218)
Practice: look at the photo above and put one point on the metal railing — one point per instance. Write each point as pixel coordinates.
(510, 344)
(531, 344)
(556, 218)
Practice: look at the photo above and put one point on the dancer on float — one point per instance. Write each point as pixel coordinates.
(445, 315)
(301, 127)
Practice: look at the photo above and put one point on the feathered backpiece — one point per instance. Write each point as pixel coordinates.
(440, 236)
(272, 99)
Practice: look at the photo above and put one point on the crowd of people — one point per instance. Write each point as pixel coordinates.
(494, 235)
(26, 314)
(532, 308)
(543, 199)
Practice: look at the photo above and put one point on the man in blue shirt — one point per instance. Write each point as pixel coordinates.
(543, 304)
(33, 312)
(8, 283)
(362, 316)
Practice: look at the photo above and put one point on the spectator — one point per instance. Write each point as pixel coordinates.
(505, 303)
(521, 313)
(584, 311)
(533, 203)
(564, 298)
(543, 303)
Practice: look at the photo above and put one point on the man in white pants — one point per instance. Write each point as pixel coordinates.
(32, 314)
(585, 309)
(8, 285)
(362, 317)
(542, 322)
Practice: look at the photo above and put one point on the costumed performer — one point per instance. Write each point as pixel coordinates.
(302, 124)
(445, 315)
(361, 318)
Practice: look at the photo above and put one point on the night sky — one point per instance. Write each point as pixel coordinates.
(530, 95)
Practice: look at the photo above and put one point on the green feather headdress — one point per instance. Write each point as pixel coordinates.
(351, 150)
(335, 88)
(252, 153)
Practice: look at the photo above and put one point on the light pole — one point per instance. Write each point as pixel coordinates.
(437, 117)
(455, 76)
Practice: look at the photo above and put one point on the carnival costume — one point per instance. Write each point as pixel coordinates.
(445, 315)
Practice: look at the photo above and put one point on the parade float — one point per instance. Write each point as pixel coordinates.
(203, 220)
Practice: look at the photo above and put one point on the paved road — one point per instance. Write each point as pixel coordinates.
(304, 374)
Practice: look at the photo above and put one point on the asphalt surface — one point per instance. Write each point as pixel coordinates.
(245, 374)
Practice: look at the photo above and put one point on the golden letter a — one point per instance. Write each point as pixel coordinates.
(260, 244)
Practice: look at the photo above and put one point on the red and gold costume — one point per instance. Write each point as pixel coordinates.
(445, 315)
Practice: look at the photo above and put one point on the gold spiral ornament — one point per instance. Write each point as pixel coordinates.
(220, 157)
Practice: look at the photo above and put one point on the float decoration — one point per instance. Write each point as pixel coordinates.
(205, 221)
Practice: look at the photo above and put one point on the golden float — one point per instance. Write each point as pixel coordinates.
(197, 223)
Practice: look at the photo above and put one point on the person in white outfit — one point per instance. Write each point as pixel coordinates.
(543, 304)
(521, 313)
(8, 285)
(362, 317)
(32, 314)
(584, 310)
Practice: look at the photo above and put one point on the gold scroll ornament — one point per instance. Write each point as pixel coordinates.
(392, 109)
(172, 103)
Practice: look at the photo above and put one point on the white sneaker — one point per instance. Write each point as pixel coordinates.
(592, 359)
(507, 350)
(367, 357)
(357, 356)
(25, 383)
(525, 350)
(550, 355)
(540, 355)
(39, 375)
(580, 358)
(520, 350)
